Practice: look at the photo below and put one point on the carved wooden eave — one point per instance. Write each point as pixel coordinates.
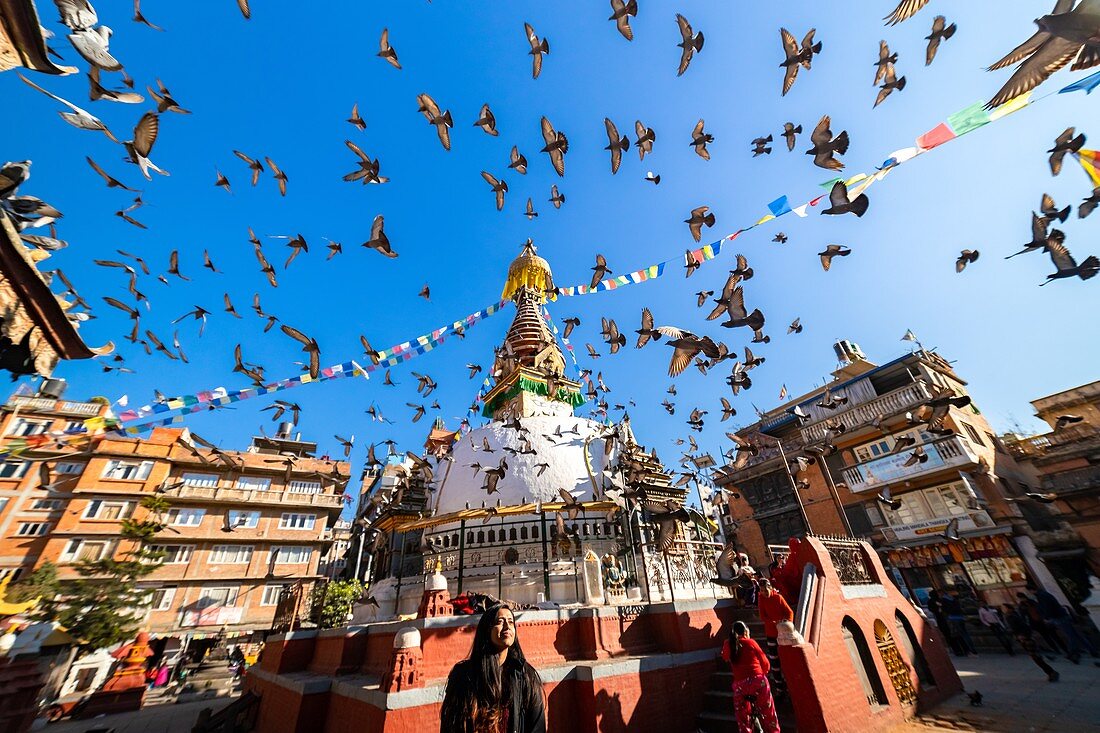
(27, 303)
(21, 40)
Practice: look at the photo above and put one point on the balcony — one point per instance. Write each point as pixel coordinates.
(943, 453)
(1038, 446)
(252, 496)
(46, 404)
(1076, 482)
(891, 403)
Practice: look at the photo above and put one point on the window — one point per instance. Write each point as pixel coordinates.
(874, 514)
(12, 573)
(127, 470)
(74, 426)
(186, 517)
(161, 598)
(204, 480)
(3, 503)
(974, 437)
(874, 450)
(91, 550)
(271, 595)
(33, 529)
(291, 555)
(46, 505)
(13, 469)
(231, 554)
(211, 597)
(24, 427)
(913, 509)
(297, 521)
(69, 467)
(947, 501)
(100, 509)
(305, 487)
(243, 520)
(254, 483)
(175, 554)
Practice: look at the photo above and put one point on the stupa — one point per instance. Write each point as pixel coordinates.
(528, 506)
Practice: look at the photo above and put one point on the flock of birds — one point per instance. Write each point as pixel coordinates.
(1071, 33)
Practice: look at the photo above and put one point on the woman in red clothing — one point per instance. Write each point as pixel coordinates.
(750, 669)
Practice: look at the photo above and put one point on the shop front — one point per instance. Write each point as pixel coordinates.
(985, 567)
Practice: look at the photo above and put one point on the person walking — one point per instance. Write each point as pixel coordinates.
(494, 690)
(751, 691)
(992, 620)
(1030, 608)
(935, 605)
(957, 623)
(773, 608)
(1056, 615)
(1020, 624)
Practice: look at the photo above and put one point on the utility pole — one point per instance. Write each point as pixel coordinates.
(794, 486)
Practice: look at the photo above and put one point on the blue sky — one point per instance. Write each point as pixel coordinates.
(283, 83)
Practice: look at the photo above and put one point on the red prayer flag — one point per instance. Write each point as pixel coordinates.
(938, 135)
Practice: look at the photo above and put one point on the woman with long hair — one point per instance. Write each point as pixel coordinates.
(751, 691)
(495, 690)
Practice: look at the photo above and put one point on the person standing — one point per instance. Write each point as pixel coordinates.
(751, 691)
(494, 690)
(957, 623)
(773, 608)
(991, 619)
(1020, 624)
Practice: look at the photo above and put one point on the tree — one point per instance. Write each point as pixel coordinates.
(105, 606)
(41, 584)
(332, 602)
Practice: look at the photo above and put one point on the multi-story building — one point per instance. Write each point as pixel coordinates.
(29, 424)
(1065, 466)
(334, 561)
(863, 440)
(242, 525)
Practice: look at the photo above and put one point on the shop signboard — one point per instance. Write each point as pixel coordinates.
(935, 526)
(213, 616)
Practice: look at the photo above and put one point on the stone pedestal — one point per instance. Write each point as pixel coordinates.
(125, 690)
(436, 600)
(405, 670)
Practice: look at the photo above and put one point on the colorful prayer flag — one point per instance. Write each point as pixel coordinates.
(1086, 85)
(969, 119)
(935, 137)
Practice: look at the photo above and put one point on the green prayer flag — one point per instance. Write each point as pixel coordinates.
(969, 119)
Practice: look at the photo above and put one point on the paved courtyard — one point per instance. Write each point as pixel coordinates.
(1018, 698)
(154, 719)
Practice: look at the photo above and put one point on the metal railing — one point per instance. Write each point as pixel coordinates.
(250, 496)
(1080, 479)
(1039, 445)
(48, 404)
(850, 561)
(878, 472)
(891, 403)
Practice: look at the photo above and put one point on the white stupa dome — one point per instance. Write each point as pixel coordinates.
(526, 480)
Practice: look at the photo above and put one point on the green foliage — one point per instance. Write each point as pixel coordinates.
(330, 603)
(41, 584)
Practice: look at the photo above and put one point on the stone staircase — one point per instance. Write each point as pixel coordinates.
(717, 715)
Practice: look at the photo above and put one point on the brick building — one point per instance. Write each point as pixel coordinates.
(856, 438)
(242, 524)
(1064, 465)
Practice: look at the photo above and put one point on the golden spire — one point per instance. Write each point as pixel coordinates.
(529, 271)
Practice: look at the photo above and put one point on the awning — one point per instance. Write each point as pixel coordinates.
(1060, 554)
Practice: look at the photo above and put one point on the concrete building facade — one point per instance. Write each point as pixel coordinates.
(898, 454)
(1064, 465)
(241, 527)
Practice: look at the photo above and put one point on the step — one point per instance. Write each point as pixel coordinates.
(717, 722)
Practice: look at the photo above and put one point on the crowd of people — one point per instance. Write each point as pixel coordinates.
(496, 690)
